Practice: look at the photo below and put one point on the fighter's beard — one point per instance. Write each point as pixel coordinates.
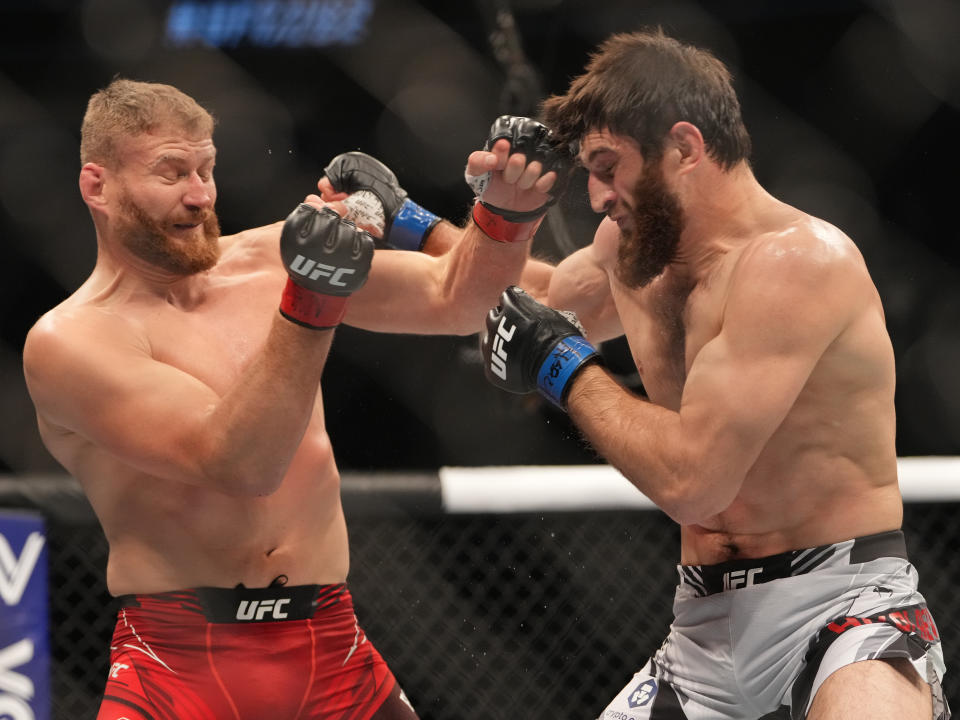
(145, 238)
(650, 243)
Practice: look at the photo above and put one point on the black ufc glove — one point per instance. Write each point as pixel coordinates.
(327, 259)
(406, 224)
(535, 140)
(528, 346)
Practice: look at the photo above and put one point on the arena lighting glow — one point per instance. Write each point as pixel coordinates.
(268, 23)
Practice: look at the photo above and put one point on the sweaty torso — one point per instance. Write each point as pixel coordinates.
(167, 535)
(828, 472)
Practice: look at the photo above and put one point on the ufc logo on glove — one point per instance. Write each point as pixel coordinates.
(548, 346)
(313, 270)
(498, 354)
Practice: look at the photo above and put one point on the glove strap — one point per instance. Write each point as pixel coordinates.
(310, 309)
(497, 227)
(518, 216)
(410, 226)
(561, 364)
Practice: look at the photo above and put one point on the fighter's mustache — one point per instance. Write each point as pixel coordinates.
(201, 217)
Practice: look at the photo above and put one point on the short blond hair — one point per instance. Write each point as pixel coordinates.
(126, 108)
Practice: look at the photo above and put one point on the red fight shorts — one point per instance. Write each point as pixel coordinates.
(247, 654)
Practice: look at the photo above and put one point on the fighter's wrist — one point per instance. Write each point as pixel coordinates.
(497, 227)
(558, 369)
(312, 309)
(410, 226)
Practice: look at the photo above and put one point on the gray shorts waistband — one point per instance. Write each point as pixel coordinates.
(736, 574)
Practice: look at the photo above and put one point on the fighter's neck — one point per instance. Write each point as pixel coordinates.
(121, 273)
(724, 213)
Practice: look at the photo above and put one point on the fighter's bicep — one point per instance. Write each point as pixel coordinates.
(400, 294)
(744, 382)
(581, 283)
(733, 402)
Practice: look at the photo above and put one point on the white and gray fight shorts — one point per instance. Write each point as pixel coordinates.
(755, 639)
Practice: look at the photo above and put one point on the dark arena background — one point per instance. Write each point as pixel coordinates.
(490, 610)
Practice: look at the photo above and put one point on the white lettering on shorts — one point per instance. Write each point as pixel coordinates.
(740, 578)
(259, 609)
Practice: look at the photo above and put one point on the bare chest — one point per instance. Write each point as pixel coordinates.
(666, 326)
(216, 339)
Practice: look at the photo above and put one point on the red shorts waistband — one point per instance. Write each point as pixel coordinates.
(241, 604)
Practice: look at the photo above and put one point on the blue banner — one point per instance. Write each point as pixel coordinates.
(24, 640)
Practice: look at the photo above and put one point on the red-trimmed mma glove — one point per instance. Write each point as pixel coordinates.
(535, 140)
(327, 259)
(405, 224)
(528, 346)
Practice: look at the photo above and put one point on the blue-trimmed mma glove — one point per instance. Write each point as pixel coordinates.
(528, 346)
(405, 224)
(327, 258)
(535, 140)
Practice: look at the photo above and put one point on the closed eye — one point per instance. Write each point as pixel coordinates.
(605, 172)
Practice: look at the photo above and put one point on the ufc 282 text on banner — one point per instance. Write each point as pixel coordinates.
(24, 642)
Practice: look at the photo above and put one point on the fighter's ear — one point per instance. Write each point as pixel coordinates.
(685, 138)
(92, 184)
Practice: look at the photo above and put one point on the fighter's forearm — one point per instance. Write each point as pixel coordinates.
(651, 447)
(473, 274)
(256, 428)
(262, 420)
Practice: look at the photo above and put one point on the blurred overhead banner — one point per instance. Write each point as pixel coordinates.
(267, 23)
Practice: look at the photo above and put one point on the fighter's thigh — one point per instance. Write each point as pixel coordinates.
(875, 689)
(124, 697)
(138, 688)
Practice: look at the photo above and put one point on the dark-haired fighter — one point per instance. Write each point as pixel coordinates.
(767, 430)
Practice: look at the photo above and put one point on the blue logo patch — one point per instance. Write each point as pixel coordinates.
(643, 693)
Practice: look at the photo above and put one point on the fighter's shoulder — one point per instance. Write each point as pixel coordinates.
(77, 329)
(804, 248)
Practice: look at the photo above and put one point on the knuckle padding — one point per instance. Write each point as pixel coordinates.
(530, 137)
(353, 171)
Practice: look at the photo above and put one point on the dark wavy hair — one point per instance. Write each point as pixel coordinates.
(639, 85)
